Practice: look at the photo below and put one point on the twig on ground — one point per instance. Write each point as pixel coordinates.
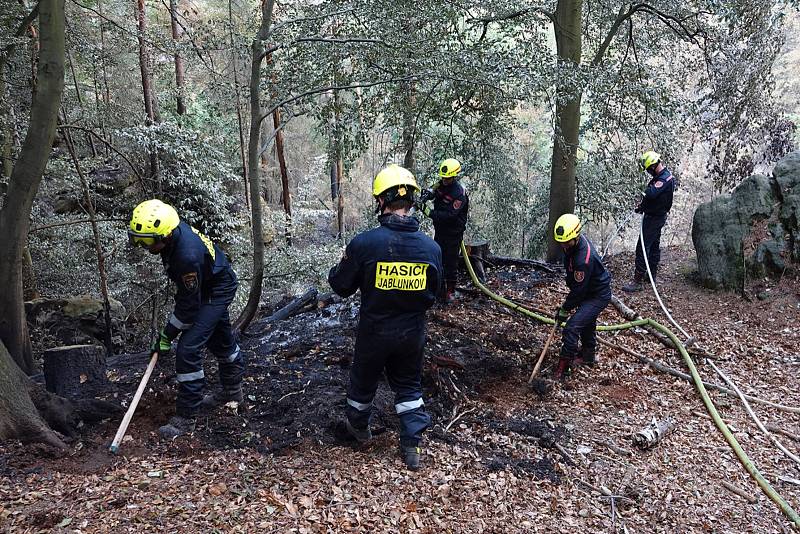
(740, 492)
(295, 392)
(459, 416)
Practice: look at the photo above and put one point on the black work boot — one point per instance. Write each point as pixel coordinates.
(214, 400)
(562, 370)
(177, 426)
(361, 435)
(634, 285)
(586, 357)
(411, 454)
(450, 293)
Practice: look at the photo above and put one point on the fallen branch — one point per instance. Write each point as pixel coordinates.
(295, 306)
(740, 492)
(631, 315)
(709, 385)
(459, 416)
(505, 260)
(786, 433)
(753, 415)
(789, 480)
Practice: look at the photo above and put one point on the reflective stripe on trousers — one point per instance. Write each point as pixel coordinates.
(360, 406)
(403, 407)
(189, 377)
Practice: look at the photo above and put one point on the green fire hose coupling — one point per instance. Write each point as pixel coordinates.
(698, 382)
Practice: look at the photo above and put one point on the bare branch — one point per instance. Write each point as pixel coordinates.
(20, 31)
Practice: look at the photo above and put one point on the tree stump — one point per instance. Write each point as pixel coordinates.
(477, 251)
(75, 371)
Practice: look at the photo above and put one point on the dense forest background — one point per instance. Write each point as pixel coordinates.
(270, 120)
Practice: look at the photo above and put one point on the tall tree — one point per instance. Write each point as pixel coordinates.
(150, 104)
(567, 27)
(257, 116)
(179, 70)
(25, 179)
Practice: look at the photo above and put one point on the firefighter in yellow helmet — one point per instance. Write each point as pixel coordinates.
(654, 206)
(200, 270)
(449, 215)
(398, 270)
(589, 291)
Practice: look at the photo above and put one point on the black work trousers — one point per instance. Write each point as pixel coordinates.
(211, 329)
(399, 353)
(581, 326)
(651, 230)
(450, 245)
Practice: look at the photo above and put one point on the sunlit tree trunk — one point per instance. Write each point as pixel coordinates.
(567, 119)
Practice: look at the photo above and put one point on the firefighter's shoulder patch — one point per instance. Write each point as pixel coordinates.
(659, 184)
(457, 204)
(190, 282)
(579, 276)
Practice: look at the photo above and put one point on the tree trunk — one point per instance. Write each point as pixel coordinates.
(75, 370)
(19, 418)
(409, 134)
(567, 119)
(25, 179)
(98, 247)
(340, 200)
(147, 85)
(6, 124)
(240, 122)
(285, 193)
(179, 70)
(253, 146)
(30, 286)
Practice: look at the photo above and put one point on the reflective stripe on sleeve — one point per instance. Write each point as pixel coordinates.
(360, 406)
(403, 407)
(190, 377)
(174, 321)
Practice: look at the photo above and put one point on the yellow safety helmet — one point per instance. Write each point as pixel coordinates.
(567, 228)
(649, 159)
(449, 168)
(392, 176)
(152, 221)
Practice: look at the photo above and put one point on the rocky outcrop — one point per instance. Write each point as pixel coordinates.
(753, 231)
(75, 320)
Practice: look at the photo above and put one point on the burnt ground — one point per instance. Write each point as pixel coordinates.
(498, 456)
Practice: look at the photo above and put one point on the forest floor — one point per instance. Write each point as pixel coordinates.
(498, 458)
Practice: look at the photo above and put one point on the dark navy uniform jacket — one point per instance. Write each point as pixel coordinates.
(200, 270)
(398, 269)
(586, 275)
(450, 207)
(657, 198)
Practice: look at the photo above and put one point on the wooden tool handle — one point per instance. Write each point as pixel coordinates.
(544, 351)
(123, 427)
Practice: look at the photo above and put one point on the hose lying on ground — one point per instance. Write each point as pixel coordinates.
(698, 382)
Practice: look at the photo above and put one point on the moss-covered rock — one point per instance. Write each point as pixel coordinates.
(753, 231)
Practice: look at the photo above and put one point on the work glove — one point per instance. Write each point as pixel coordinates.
(561, 316)
(638, 209)
(425, 208)
(426, 195)
(162, 345)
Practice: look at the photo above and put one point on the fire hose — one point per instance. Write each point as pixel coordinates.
(765, 486)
